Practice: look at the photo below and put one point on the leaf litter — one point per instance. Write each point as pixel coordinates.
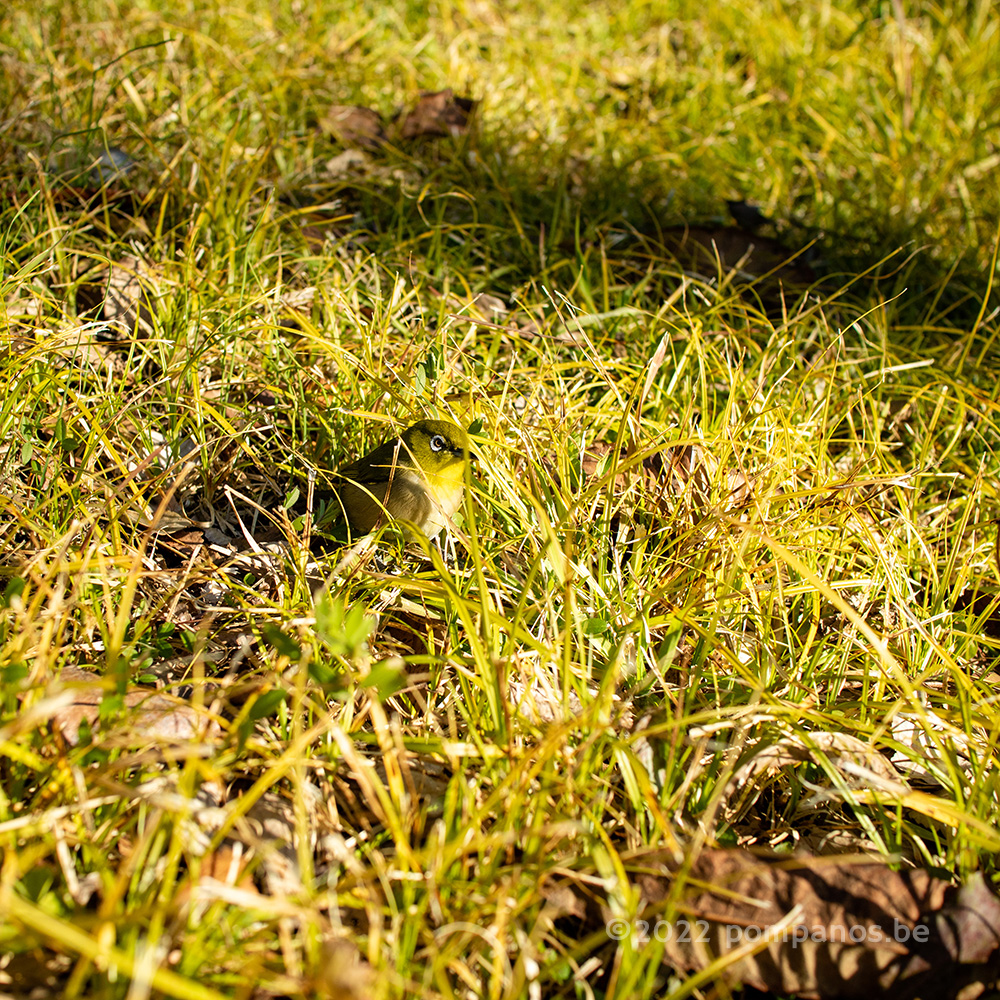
(806, 926)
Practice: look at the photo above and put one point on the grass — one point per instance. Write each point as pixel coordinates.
(707, 521)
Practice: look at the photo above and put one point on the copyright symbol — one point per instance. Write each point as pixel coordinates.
(618, 929)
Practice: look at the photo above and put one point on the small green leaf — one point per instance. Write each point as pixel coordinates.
(64, 438)
(595, 626)
(36, 882)
(344, 632)
(13, 674)
(329, 678)
(111, 705)
(386, 679)
(13, 590)
(433, 363)
(284, 644)
(267, 704)
(291, 498)
(668, 648)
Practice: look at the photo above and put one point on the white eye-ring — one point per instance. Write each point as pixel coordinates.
(438, 443)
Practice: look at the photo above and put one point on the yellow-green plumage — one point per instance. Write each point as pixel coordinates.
(418, 477)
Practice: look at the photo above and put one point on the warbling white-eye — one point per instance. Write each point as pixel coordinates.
(418, 477)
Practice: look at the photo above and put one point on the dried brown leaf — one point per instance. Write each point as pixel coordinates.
(675, 471)
(927, 736)
(157, 717)
(130, 292)
(343, 974)
(838, 928)
(839, 748)
(348, 163)
(269, 830)
(79, 349)
(298, 300)
(489, 306)
(705, 250)
(438, 114)
(227, 864)
(354, 126)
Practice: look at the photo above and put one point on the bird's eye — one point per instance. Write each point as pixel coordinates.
(438, 443)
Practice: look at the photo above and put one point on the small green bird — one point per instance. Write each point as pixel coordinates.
(418, 477)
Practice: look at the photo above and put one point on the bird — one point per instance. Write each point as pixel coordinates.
(417, 478)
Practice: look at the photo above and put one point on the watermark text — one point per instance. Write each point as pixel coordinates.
(693, 931)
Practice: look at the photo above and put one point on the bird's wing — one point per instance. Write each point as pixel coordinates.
(377, 466)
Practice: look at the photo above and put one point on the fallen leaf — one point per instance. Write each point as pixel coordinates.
(732, 250)
(928, 736)
(227, 864)
(838, 748)
(130, 293)
(489, 306)
(679, 470)
(350, 161)
(157, 717)
(438, 114)
(342, 973)
(79, 347)
(112, 166)
(354, 126)
(810, 926)
(858, 763)
(268, 829)
(298, 300)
